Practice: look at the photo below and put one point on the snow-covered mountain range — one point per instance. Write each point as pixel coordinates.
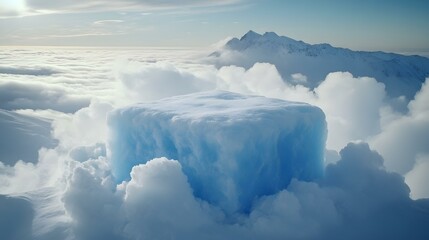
(307, 64)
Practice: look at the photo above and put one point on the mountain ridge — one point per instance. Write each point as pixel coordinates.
(402, 75)
(272, 35)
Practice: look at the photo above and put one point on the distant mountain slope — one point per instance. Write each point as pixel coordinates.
(402, 75)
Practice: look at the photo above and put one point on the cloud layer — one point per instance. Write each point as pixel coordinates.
(27, 71)
(68, 191)
(356, 199)
(23, 136)
(14, 96)
(32, 7)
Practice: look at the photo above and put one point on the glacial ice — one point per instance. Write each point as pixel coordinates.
(232, 148)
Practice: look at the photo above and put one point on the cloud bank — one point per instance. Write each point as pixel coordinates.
(23, 136)
(356, 199)
(17, 95)
(71, 191)
(27, 71)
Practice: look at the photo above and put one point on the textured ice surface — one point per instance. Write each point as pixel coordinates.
(232, 147)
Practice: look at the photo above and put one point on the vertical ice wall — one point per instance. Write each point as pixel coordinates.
(233, 148)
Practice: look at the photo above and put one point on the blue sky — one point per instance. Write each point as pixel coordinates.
(390, 25)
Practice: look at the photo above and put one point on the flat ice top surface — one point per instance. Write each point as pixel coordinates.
(217, 104)
(233, 148)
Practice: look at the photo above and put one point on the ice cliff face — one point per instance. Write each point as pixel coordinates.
(232, 148)
(402, 75)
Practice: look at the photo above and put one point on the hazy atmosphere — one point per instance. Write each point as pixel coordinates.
(231, 119)
(389, 25)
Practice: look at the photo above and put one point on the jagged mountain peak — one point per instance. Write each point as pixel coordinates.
(250, 35)
(402, 75)
(267, 40)
(267, 36)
